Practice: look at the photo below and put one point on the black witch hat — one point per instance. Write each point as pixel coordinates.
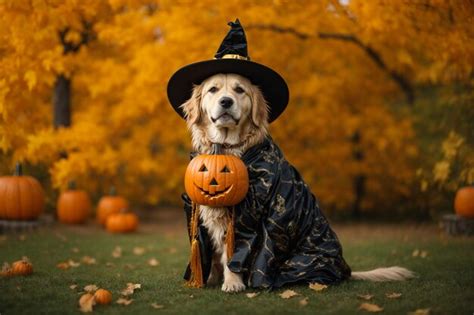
(231, 57)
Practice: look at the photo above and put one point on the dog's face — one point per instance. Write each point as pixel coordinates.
(226, 101)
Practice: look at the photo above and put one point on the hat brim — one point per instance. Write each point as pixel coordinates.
(272, 85)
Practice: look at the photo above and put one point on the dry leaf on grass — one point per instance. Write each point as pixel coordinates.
(117, 252)
(124, 301)
(371, 308)
(68, 264)
(91, 288)
(109, 264)
(75, 250)
(6, 270)
(157, 306)
(420, 311)
(22, 237)
(416, 253)
(88, 260)
(424, 254)
(138, 251)
(366, 297)
(288, 294)
(303, 302)
(86, 302)
(73, 286)
(153, 262)
(130, 289)
(318, 287)
(393, 295)
(252, 295)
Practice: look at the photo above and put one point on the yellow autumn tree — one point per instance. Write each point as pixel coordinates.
(353, 69)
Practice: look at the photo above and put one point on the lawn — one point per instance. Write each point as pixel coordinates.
(444, 264)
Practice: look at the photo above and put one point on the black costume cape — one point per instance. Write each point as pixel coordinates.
(281, 235)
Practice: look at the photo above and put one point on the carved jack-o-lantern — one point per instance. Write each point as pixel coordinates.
(216, 180)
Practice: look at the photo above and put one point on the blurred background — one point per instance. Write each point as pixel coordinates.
(380, 121)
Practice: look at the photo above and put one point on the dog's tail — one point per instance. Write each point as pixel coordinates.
(384, 274)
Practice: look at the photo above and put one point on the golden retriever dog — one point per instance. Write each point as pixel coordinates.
(229, 109)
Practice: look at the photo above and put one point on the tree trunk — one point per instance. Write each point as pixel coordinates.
(62, 102)
(358, 182)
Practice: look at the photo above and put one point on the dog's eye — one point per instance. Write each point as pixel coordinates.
(239, 90)
(213, 89)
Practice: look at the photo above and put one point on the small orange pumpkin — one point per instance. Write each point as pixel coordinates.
(22, 267)
(103, 296)
(21, 197)
(464, 202)
(110, 204)
(122, 222)
(74, 206)
(216, 179)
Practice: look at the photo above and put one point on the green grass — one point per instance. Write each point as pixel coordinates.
(445, 283)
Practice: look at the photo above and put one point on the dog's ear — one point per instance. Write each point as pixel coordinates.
(259, 107)
(192, 107)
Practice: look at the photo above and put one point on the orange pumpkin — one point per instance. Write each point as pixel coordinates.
(110, 204)
(216, 179)
(21, 197)
(22, 268)
(464, 202)
(121, 222)
(74, 205)
(103, 296)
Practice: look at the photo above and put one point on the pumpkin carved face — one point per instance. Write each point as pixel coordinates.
(216, 180)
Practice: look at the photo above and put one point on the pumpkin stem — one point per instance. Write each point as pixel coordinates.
(71, 185)
(216, 148)
(112, 191)
(18, 169)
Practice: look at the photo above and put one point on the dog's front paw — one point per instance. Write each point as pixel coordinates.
(233, 286)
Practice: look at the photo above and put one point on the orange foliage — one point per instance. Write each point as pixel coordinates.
(124, 132)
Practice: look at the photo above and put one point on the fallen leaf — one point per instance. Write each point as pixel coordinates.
(6, 270)
(130, 289)
(423, 254)
(22, 237)
(317, 286)
(393, 295)
(73, 263)
(88, 260)
(252, 295)
(420, 311)
(124, 301)
(371, 308)
(366, 297)
(75, 250)
(110, 264)
(416, 253)
(303, 302)
(157, 306)
(73, 286)
(117, 252)
(288, 294)
(86, 302)
(138, 251)
(153, 262)
(191, 296)
(63, 265)
(26, 259)
(90, 288)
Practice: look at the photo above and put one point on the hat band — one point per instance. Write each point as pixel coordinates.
(234, 56)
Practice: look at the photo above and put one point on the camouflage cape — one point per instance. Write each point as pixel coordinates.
(281, 235)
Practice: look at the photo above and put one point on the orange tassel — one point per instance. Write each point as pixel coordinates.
(229, 238)
(196, 279)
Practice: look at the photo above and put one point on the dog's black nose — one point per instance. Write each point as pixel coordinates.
(226, 102)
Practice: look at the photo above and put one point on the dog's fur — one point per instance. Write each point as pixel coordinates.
(239, 126)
